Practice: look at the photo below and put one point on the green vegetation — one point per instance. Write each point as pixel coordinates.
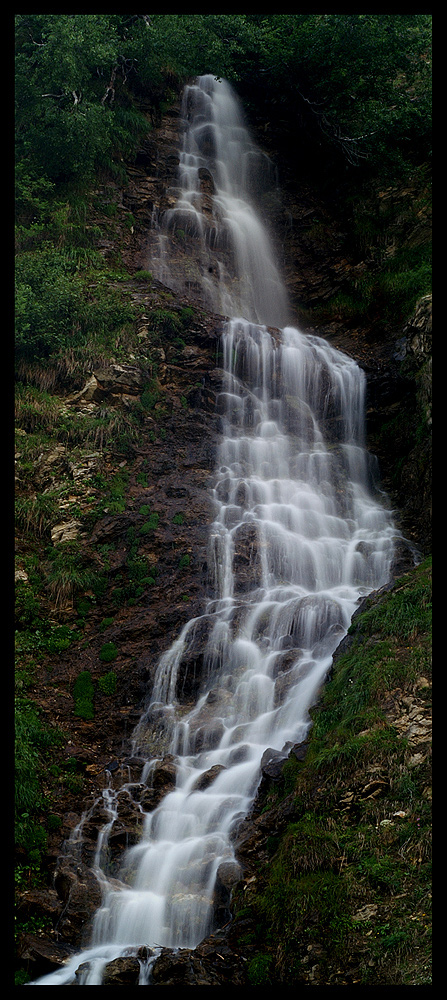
(84, 687)
(151, 524)
(108, 652)
(83, 692)
(350, 876)
(107, 683)
(34, 744)
(79, 79)
(372, 102)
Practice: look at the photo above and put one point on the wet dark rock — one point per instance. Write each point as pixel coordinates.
(251, 837)
(80, 892)
(228, 875)
(299, 750)
(112, 766)
(272, 764)
(191, 669)
(181, 968)
(122, 972)
(206, 779)
(208, 736)
(247, 565)
(42, 955)
(164, 774)
(212, 963)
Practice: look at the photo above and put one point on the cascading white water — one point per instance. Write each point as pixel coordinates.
(297, 539)
(219, 168)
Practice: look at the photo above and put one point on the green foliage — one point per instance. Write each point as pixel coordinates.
(67, 572)
(33, 743)
(106, 622)
(150, 395)
(144, 276)
(259, 969)
(36, 636)
(403, 613)
(150, 525)
(373, 100)
(28, 735)
(107, 683)
(108, 652)
(83, 693)
(76, 76)
(395, 640)
(58, 309)
(141, 575)
(54, 822)
(67, 122)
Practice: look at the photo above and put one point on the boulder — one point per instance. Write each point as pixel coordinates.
(208, 736)
(228, 875)
(65, 532)
(206, 779)
(272, 764)
(119, 379)
(212, 963)
(42, 955)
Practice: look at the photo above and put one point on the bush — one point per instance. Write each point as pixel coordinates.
(107, 683)
(150, 525)
(33, 742)
(258, 970)
(58, 307)
(108, 652)
(83, 692)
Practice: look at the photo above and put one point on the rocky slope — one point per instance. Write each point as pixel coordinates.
(136, 512)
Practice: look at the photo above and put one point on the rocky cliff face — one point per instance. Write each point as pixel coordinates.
(149, 547)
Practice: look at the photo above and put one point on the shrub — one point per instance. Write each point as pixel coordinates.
(83, 692)
(143, 276)
(33, 741)
(107, 683)
(150, 395)
(150, 525)
(106, 622)
(108, 652)
(259, 970)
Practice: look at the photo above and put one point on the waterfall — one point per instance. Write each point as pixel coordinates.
(220, 167)
(297, 539)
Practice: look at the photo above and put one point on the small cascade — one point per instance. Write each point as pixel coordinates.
(298, 538)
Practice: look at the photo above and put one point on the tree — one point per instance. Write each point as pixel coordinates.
(66, 72)
(361, 82)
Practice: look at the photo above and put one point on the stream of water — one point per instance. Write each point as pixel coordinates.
(299, 537)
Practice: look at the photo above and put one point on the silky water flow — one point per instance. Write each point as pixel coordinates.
(299, 536)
